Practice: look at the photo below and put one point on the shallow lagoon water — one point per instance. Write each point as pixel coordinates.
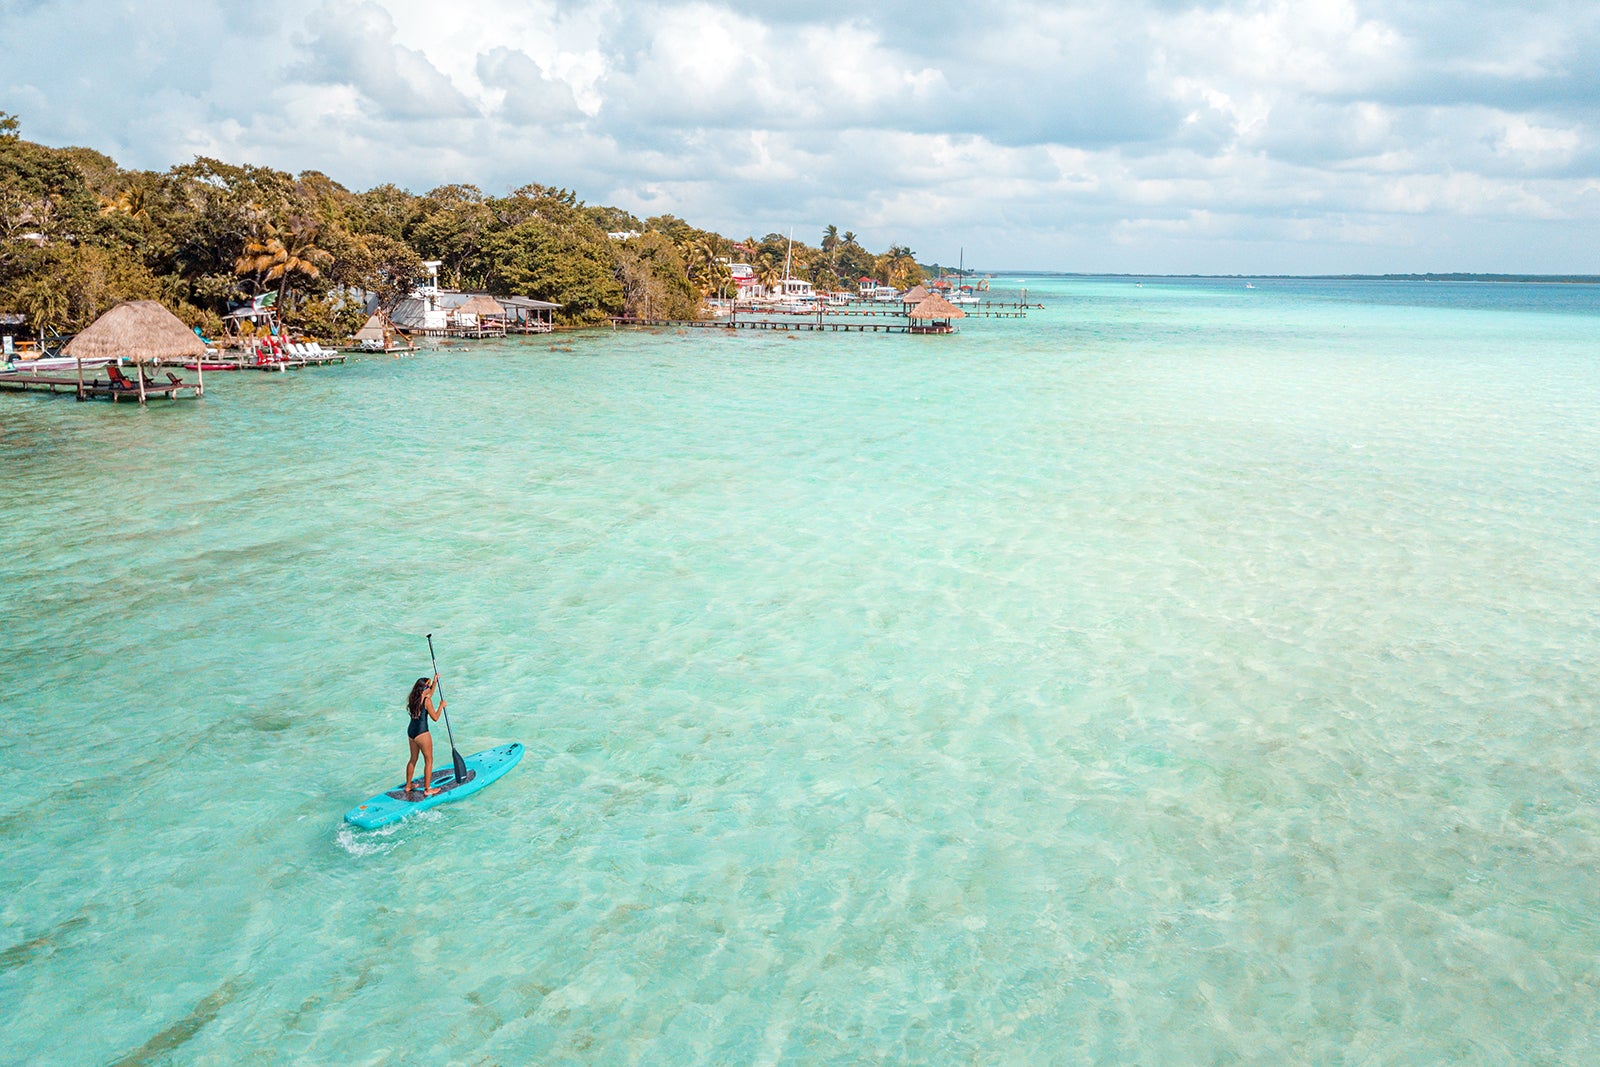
(1187, 674)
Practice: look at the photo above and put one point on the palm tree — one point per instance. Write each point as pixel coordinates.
(129, 202)
(277, 258)
(705, 267)
(899, 267)
(830, 244)
(849, 237)
(768, 273)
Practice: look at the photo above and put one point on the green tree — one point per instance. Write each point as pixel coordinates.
(373, 263)
(570, 266)
(455, 226)
(204, 213)
(383, 209)
(66, 287)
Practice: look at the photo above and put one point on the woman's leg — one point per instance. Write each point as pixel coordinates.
(411, 764)
(426, 742)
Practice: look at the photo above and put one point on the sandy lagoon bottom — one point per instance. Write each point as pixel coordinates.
(1166, 679)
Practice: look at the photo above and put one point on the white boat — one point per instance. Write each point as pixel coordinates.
(962, 293)
(793, 295)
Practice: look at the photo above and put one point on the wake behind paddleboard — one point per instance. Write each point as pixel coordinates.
(483, 768)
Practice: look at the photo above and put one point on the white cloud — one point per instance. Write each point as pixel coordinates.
(1232, 134)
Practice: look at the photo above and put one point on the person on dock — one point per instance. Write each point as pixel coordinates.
(420, 707)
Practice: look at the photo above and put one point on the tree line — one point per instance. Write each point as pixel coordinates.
(78, 234)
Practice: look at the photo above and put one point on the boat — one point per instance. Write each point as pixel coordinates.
(963, 294)
(795, 295)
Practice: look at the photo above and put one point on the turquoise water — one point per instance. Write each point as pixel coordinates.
(1187, 674)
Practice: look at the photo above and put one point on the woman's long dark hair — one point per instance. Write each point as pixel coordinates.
(414, 701)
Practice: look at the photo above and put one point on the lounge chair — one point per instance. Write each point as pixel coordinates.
(174, 379)
(120, 380)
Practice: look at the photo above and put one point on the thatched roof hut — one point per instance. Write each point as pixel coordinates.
(936, 307)
(916, 295)
(934, 315)
(374, 330)
(480, 306)
(138, 330)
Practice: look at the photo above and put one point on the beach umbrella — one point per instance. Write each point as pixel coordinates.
(142, 331)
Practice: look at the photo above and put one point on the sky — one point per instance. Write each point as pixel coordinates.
(1133, 136)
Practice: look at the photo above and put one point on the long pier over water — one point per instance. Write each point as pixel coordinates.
(887, 319)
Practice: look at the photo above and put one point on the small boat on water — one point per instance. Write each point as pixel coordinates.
(963, 293)
(794, 296)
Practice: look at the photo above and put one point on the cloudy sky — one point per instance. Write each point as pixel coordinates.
(1237, 136)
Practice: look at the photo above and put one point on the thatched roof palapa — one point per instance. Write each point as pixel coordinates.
(140, 330)
(480, 306)
(916, 295)
(374, 330)
(937, 307)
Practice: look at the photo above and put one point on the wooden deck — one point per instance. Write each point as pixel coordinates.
(799, 323)
(97, 388)
(232, 359)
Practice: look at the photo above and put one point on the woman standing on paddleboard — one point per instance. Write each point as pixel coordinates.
(420, 705)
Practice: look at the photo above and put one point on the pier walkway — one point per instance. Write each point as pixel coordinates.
(797, 323)
(97, 388)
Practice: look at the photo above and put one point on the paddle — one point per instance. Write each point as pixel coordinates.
(461, 764)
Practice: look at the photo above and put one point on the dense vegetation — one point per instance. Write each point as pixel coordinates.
(78, 234)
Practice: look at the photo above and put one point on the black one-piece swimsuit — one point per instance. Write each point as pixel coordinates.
(418, 725)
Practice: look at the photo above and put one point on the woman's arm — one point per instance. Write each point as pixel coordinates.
(433, 712)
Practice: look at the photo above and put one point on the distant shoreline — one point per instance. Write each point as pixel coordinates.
(1542, 279)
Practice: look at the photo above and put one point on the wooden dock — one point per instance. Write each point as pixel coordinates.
(97, 388)
(876, 310)
(797, 324)
(234, 359)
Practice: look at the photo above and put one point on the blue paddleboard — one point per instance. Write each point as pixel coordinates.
(393, 804)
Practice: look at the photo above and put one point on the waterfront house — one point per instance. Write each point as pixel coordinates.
(745, 281)
(438, 313)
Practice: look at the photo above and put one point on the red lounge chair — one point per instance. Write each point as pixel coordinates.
(118, 379)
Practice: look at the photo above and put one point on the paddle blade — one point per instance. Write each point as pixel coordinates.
(461, 764)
